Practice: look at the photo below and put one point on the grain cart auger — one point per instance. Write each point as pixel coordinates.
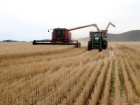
(98, 39)
(62, 36)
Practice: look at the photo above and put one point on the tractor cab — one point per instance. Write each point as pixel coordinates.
(96, 38)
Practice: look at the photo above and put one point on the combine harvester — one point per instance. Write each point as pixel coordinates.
(62, 36)
(98, 39)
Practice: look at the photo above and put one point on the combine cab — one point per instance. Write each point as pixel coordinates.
(62, 36)
(98, 39)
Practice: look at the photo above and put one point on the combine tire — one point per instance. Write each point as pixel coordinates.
(105, 44)
(78, 45)
(89, 46)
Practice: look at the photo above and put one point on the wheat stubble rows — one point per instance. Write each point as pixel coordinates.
(66, 75)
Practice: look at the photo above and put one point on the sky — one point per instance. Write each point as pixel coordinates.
(30, 19)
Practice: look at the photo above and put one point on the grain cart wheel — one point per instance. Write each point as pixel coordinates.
(89, 46)
(105, 44)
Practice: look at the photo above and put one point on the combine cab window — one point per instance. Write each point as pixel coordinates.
(58, 33)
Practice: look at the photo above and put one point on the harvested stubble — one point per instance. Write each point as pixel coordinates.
(41, 75)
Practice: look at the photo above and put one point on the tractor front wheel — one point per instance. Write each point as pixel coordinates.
(100, 49)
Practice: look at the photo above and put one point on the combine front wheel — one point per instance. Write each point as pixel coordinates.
(78, 45)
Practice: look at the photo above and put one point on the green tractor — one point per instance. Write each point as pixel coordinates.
(97, 41)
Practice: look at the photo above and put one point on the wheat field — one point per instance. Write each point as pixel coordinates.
(65, 75)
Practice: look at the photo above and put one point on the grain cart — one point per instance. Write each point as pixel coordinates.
(62, 36)
(98, 39)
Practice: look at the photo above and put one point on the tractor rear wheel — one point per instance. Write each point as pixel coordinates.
(105, 44)
(89, 46)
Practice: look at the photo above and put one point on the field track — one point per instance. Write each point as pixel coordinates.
(65, 75)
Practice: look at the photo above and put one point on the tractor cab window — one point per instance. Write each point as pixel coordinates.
(97, 35)
(58, 33)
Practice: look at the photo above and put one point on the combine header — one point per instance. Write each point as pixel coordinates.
(62, 36)
(98, 39)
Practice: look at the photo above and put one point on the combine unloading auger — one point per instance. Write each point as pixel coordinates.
(109, 25)
(95, 25)
(62, 36)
